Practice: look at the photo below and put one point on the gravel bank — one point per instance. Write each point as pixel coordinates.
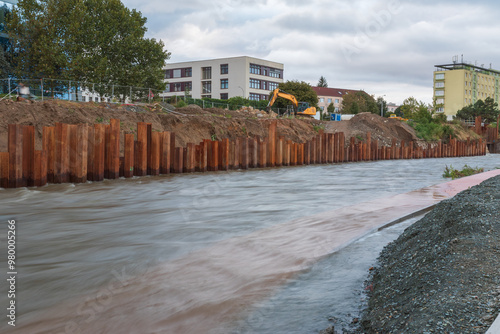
(442, 275)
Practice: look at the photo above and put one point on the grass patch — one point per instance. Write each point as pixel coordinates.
(318, 127)
(450, 172)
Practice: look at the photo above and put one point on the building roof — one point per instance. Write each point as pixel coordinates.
(337, 92)
(464, 66)
(223, 59)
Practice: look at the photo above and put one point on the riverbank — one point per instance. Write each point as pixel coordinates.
(192, 124)
(441, 274)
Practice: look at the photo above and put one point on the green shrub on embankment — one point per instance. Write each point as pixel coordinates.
(466, 171)
(431, 128)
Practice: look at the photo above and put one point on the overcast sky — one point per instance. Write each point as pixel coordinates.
(384, 47)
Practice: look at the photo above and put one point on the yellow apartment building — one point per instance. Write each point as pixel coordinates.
(459, 84)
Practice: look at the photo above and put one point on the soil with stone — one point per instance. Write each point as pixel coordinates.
(192, 124)
(442, 274)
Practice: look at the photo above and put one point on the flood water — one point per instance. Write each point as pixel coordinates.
(196, 253)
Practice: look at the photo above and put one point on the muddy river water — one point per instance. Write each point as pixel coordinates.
(201, 253)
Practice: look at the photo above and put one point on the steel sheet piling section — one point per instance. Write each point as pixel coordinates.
(165, 155)
(77, 153)
(28, 158)
(4, 169)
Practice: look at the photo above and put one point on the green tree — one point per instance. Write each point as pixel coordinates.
(5, 69)
(358, 102)
(302, 91)
(331, 108)
(322, 82)
(98, 41)
(397, 112)
(422, 115)
(410, 106)
(487, 109)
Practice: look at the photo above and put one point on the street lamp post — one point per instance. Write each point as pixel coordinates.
(382, 106)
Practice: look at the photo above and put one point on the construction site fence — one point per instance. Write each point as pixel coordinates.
(78, 153)
(209, 103)
(46, 89)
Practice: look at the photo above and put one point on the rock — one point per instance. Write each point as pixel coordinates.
(442, 271)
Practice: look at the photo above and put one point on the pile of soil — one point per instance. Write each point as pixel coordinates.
(382, 129)
(192, 124)
(441, 274)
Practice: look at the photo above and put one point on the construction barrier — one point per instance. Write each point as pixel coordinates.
(80, 153)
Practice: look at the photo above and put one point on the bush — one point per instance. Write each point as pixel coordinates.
(433, 131)
(440, 118)
(466, 171)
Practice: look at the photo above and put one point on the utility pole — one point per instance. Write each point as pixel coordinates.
(382, 106)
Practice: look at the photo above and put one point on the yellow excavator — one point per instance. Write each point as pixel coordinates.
(299, 108)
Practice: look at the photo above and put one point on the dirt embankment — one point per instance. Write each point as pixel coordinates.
(382, 129)
(192, 124)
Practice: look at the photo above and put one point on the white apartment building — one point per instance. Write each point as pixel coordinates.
(251, 78)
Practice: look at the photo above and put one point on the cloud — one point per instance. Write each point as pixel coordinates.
(389, 45)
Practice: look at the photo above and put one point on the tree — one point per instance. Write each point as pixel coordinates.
(322, 82)
(487, 109)
(358, 102)
(5, 68)
(302, 91)
(331, 108)
(410, 106)
(397, 112)
(422, 115)
(98, 41)
(382, 105)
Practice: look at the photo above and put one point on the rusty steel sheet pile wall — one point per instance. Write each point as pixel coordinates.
(79, 153)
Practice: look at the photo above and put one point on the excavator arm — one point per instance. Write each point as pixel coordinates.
(279, 93)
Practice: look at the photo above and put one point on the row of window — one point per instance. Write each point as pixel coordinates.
(329, 100)
(263, 84)
(266, 71)
(480, 78)
(471, 77)
(223, 96)
(257, 97)
(178, 86)
(206, 72)
(480, 86)
(179, 73)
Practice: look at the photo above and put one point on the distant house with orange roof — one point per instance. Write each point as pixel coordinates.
(328, 95)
